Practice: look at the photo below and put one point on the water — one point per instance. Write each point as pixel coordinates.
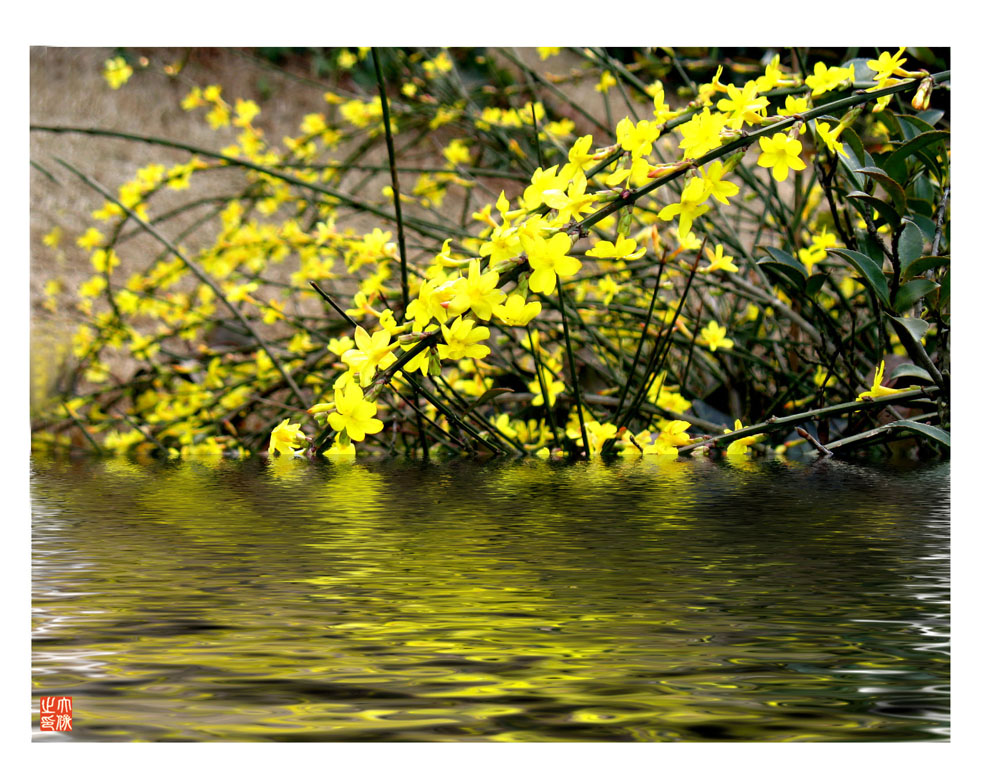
(458, 601)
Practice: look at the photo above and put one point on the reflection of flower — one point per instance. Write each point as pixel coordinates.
(741, 445)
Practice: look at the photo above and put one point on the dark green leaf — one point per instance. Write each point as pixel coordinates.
(913, 327)
(945, 295)
(815, 283)
(926, 225)
(929, 431)
(925, 264)
(911, 244)
(896, 165)
(850, 137)
(911, 291)
(931, 116)
(913, 126)
(891, 187)
(784, 264)
(889, 121)
(908, 370)
(931, 161)
(871, 273)
(871, 246)
(889, 215)
(919, 206)
(850, 163)
(490, 394)
(921, 186)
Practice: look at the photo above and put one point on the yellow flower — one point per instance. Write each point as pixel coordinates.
(372, 352)
(354, 414)
(517, 312)
(457, 152)
(92, 238)
(477, 292)
(781, 153)
(824, 79)
(702, 133)
(720, 262)
(461, 340)
(116, 72)
(544, 52)
(794, 106)
(829, 136)
(714, 335)
(689, 207)
(548, 258)
(887, 65)
(743, 106)
(622, 249)
(715, 185)
(544, 182)
(606, 82)
(673, 433)
(741, 445)
(286, 439)
(877, 390)
(638, 138)
(53, 237)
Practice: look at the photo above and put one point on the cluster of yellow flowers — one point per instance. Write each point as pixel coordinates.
(603, 208)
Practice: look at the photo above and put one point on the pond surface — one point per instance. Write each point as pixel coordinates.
(384, 600)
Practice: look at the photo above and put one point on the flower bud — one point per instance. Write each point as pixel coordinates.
(434, 369)
(625, 221)
(733, 161)
(922, 99)
(850, 117)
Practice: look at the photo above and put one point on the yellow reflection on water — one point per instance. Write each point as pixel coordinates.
(643, 600)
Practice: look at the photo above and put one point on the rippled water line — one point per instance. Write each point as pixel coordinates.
(386, 601)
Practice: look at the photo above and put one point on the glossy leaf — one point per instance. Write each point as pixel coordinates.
(871, 273)
(928, 431)
(785, 264)
(815, 283)
(931, 116)
(908, 294)
(850, 137)
(925, 264)
(912, 126)
(927, 227)
(852, 161)
(911, 244)
(896, 164)
(891, 124)
(910, 371)
(890, 186)
(889, 215)
(913, 327)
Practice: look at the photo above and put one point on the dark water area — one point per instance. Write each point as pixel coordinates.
(389, 600)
